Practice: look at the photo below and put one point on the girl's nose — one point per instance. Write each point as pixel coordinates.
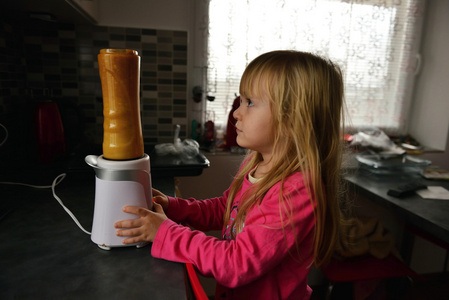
(236, 113)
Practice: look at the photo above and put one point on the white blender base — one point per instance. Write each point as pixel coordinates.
(118, 184)
(111, 197)
(139, 245)
(104, 247)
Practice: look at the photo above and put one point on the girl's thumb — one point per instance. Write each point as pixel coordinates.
(157, 207)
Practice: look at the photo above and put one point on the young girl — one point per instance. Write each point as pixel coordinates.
(281, 213)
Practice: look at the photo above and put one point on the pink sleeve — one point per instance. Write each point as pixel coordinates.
(200, 214)
(265, 241)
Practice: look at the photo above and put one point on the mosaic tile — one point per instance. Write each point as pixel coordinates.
(117, 30)
(117, 44)
(149, 39)
(116, 37)
(133, 31)
(62, 59)
(149, 32)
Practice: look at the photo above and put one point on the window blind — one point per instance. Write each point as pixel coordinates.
(375, 43)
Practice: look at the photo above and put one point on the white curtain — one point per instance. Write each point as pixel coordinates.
(375, 43)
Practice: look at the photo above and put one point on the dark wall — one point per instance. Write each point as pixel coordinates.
(50, 61)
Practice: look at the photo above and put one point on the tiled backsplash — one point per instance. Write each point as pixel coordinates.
(59, 62)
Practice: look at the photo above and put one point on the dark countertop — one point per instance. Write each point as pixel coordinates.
(428, 215)
(45, 255)
(165, 166)
(176, 166)
(161, 165)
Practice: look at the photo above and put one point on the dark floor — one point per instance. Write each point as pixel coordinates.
(433, 287)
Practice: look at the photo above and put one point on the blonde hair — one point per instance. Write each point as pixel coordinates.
(306, 97)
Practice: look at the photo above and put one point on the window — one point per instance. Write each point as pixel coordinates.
(374, 42)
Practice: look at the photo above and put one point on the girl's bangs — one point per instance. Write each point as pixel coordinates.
(254, 82)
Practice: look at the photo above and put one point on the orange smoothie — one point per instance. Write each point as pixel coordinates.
(120, 83)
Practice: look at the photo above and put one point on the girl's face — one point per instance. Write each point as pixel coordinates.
(254, 124)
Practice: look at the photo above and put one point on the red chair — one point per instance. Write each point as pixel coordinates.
(363, 270)
(194, 288)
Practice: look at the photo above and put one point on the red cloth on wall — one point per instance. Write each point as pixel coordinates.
(231, 134)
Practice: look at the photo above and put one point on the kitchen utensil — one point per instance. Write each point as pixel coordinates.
(49, 132)
(118, 184)
(120, 79)
(122, 173)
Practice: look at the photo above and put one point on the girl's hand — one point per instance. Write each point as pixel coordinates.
(161, 199)
(143, 229)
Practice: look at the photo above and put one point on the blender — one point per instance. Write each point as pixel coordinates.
(122, 172)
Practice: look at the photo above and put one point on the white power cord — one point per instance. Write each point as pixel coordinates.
(56, 181)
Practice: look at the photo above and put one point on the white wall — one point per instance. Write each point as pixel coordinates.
(430, 110)
(153, 14)
(214, 180)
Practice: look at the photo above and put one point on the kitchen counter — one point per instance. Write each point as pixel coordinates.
(161, 165)
(45, 255)
(425, 217)
(177, 165)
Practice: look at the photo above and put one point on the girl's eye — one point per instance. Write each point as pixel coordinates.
(248, 101)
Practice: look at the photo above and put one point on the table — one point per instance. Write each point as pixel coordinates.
(178, 165)
(427, 217)
(44, 255)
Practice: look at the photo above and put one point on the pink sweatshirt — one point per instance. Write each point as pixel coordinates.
(262, 261)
